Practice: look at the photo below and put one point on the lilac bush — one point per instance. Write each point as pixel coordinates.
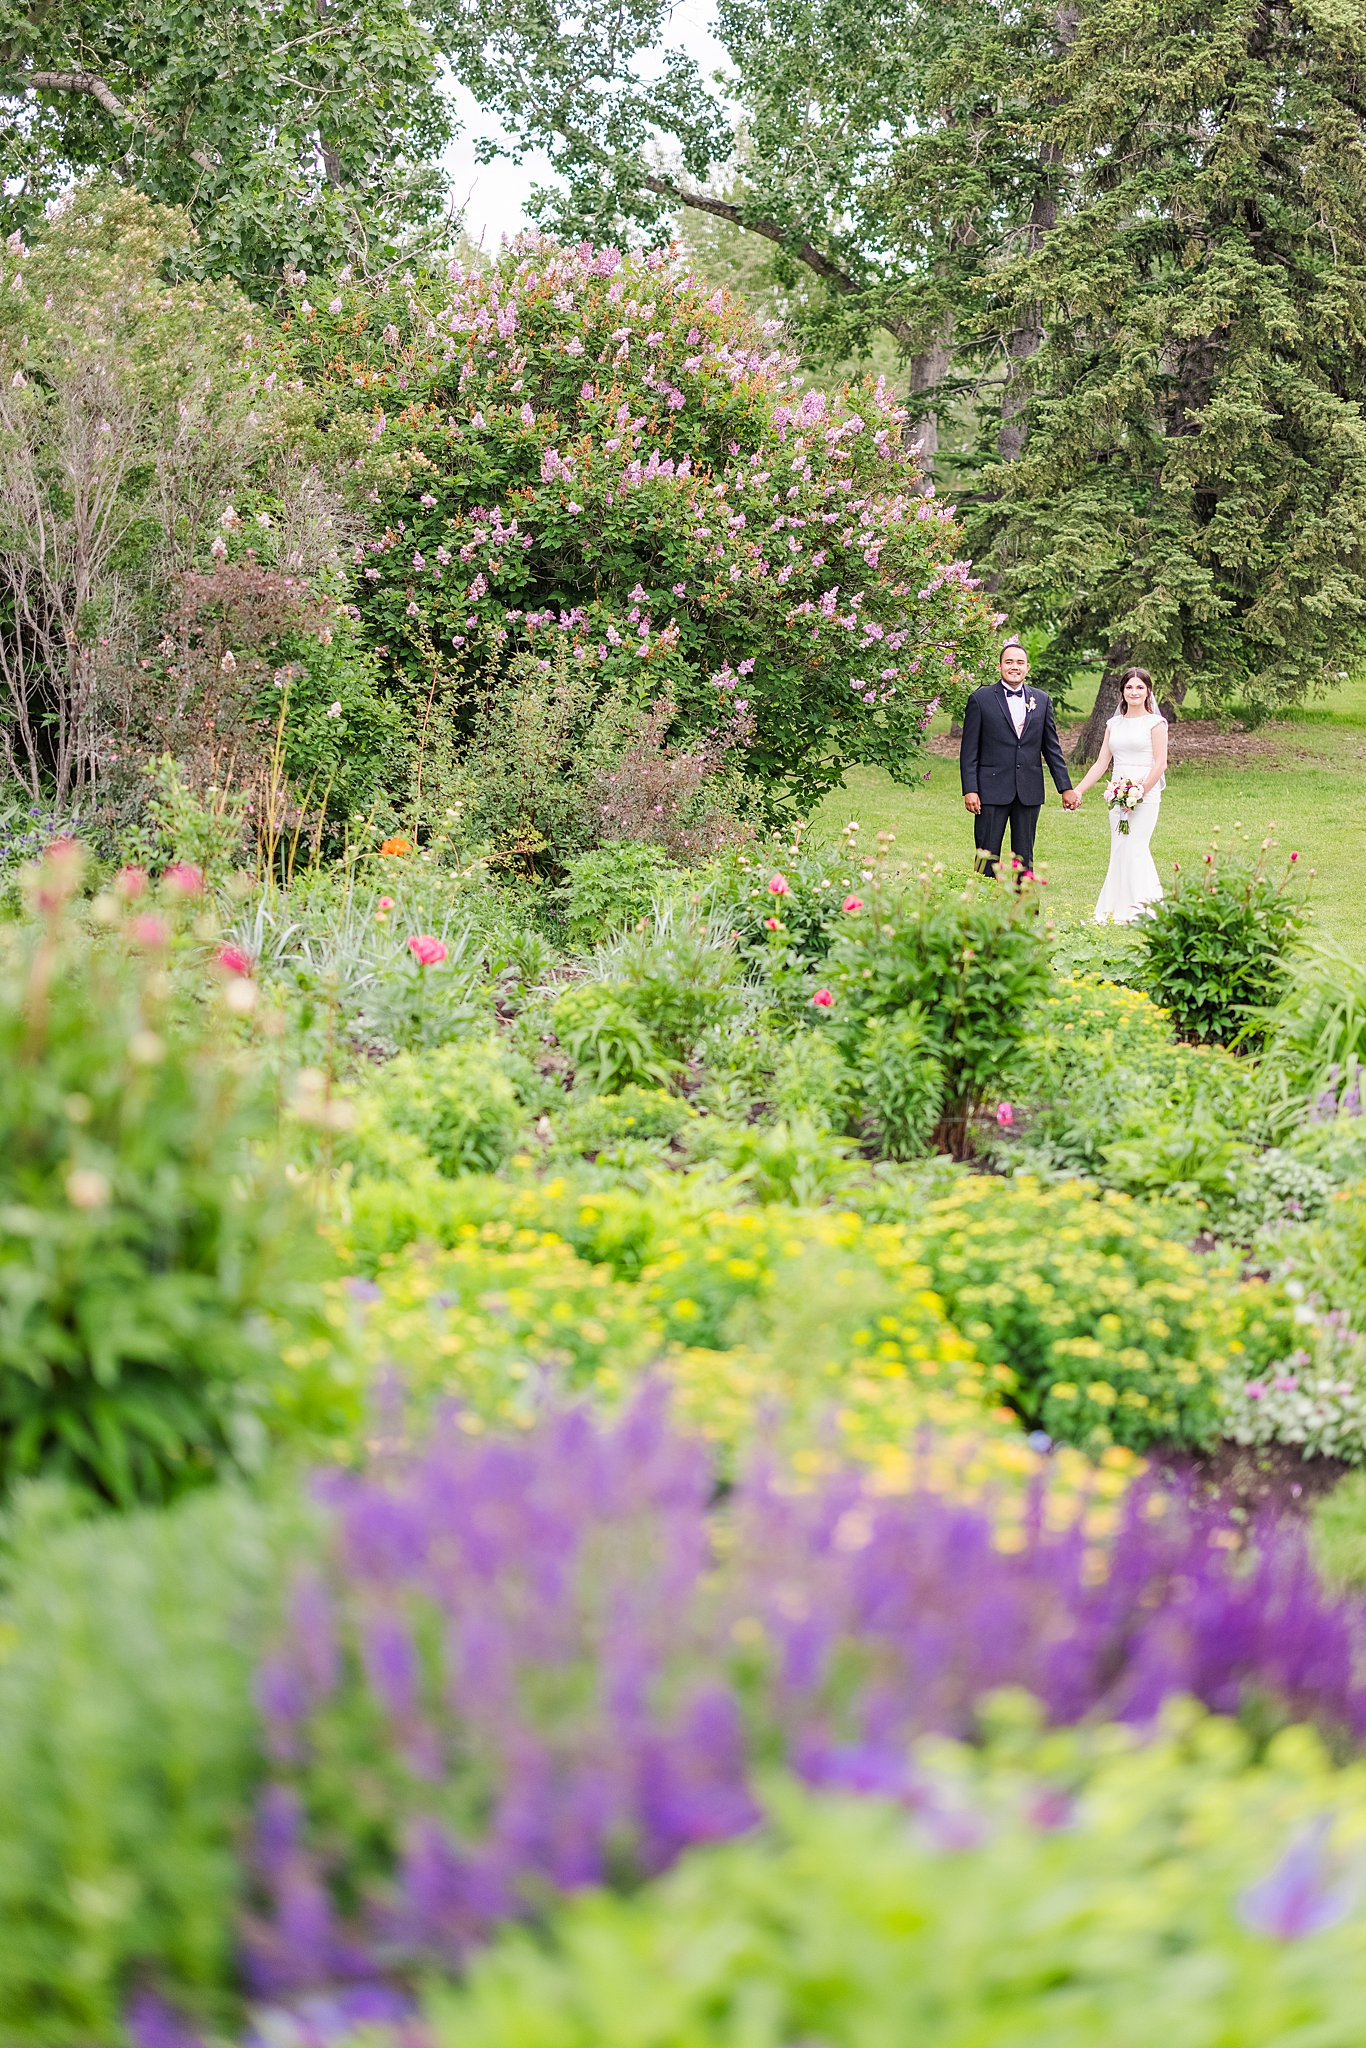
(530, 1664)
(592, 448)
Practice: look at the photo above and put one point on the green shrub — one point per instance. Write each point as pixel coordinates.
(1317, 1032)
(811, 1082)
(1070, 1891)
(547, 735)
(1216, 946)
(459, 1103)
(611, 887)
(1108, 1091)
(145, 1240)
(619, 465)
(604, 1039)
(902, 1078)
(130, 1749)
(1113, 1329)
(678, 972)
(972, 961)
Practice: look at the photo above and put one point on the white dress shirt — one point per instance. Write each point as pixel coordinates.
(1015, 701)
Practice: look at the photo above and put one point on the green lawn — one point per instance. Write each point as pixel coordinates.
(1303, 780)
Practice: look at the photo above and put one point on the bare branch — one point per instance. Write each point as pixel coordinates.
(99, 89)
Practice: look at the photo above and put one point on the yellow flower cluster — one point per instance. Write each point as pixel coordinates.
(816, 1335)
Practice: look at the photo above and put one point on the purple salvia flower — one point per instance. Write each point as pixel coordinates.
(1304, 1893)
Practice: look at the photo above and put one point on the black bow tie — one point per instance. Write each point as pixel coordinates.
(1013, 693)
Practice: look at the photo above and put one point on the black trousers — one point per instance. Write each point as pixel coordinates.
(989, 831)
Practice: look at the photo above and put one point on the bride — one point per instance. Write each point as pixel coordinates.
(1135, 749)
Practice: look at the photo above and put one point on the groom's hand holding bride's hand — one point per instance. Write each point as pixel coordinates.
(1071, 799)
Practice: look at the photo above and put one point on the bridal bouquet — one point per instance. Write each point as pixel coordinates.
(1124, 795)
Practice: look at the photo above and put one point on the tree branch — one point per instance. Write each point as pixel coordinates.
(99, 89)
(804, 251)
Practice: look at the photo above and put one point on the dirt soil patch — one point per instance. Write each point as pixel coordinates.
(1246, 1481)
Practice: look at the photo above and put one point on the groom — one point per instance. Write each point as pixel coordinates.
(1008, 733)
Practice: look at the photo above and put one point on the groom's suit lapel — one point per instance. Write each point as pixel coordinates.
(1004, 703)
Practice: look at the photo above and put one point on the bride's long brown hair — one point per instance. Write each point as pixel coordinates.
(1129, 676)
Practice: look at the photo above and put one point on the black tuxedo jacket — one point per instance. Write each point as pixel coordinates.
(1000, 768)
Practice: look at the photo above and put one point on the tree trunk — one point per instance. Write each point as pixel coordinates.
(1089, 740)
(928, 369)
(1027, 335)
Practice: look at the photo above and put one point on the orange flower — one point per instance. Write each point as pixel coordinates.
(397, 845)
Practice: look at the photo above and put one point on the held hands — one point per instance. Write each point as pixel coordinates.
(1071, 799)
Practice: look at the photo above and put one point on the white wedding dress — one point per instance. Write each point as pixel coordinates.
(1131, 883)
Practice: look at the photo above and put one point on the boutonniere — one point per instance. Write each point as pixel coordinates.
(1031, 703)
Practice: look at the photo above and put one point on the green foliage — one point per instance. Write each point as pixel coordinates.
(605, 1041)
(678, 972)
(902, 1077)
(1216, 946)
(1316, 1034)
(577, 449)
(207, 829)
(288, 136)
(1168, 405)
(1338, 1528)
(842, 1922)
(1106, 1082)
(458, 1103)
(1114, 1330)
(144, 1237)
(131, 1743)
(546, 738)
(612, 887)
(972, 961)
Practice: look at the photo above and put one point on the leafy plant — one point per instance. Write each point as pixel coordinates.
(606, 1042)
(902, 1078)
(1316, 1033)
(131, 1745)
(459, 1102)
(968, 1897)
(613, 886)
(678, 971)
(145, 1234)
(971, 961)
(1216, 946)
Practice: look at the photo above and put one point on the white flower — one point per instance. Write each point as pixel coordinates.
(334, 709)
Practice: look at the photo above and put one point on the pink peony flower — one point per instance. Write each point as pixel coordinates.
(149, 929)
(1294, 856)
(182, 878)
(1005, 1114)
(386, 902)
(779, 886)
(233, 960)
(852, 903)
(427, 951)
(822, 1000)
(130, 883)
(773, 924)
(1255, 1390)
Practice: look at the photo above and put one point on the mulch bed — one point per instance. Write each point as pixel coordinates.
(1246, 1481)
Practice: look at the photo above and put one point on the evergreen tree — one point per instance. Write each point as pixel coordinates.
(1191, 493)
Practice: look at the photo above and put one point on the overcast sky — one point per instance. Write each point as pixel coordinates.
(494, 195)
